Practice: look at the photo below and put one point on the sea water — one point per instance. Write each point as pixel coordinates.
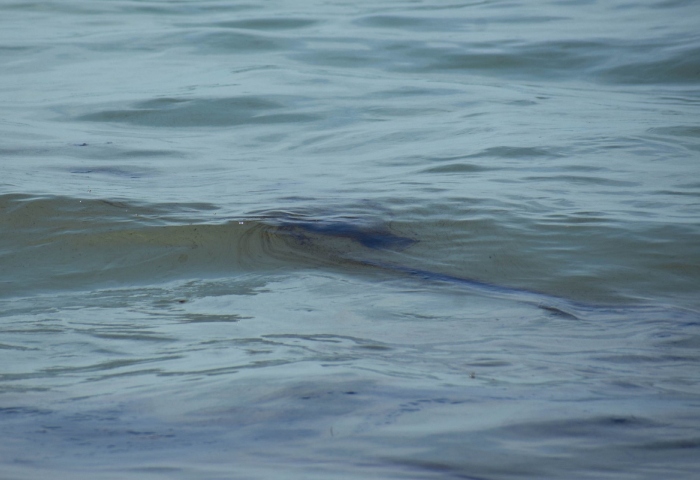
(325, 239)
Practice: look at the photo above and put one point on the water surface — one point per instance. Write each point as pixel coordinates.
(344, 240)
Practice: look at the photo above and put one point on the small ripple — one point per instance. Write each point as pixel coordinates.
(268, 23)
(201, 112)
(674, 65)
(691, 131)
(237, 42)
(456, 168)
(585, 180)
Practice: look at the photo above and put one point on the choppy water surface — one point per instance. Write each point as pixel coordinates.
(310, 239)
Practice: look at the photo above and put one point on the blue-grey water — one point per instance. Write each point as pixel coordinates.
(401, 239)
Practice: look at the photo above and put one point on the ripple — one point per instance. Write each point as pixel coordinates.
(202, 112)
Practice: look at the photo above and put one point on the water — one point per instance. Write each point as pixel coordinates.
(345, 240)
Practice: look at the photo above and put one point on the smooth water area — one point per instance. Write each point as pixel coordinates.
(324, 239)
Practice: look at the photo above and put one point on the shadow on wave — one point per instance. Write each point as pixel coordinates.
(354, 242)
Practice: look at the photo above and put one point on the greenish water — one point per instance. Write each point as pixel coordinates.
(347, 240)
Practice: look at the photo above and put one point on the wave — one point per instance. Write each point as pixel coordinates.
(57, 243)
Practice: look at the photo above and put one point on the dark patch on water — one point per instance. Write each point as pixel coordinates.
(22, 411)
(377, 238)
(110, 171)
(558, 312)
